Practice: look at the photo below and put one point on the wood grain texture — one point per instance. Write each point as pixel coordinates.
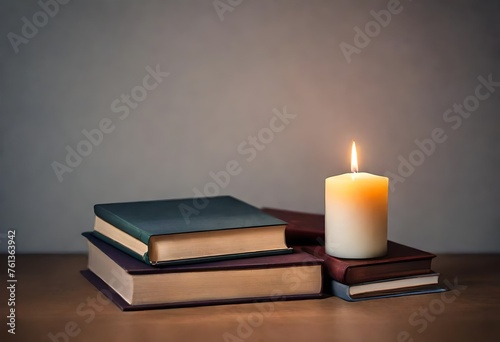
(52, 295)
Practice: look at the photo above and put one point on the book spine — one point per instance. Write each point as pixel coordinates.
(121, 224)
(341, 290)
(143, 258)
(336, 271)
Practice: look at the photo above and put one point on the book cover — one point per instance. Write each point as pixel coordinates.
(135, 267)
(164, 217)
(302, 228)
(343, 291)
(399, 261)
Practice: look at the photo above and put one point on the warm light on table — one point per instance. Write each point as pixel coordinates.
(356, 213)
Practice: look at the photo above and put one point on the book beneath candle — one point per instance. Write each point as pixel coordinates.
(402, 271)
(189, 230)
(134, 285)
(307, 230)
(400, 261)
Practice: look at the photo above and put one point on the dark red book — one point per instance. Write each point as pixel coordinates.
(133, 285)
(306, 229)
(303, 228)
(400, 261)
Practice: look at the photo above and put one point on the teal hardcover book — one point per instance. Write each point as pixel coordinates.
(189, 230)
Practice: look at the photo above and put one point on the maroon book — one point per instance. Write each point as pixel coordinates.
(303, 228)
(400, 261)
(268, 278)
(306, 229)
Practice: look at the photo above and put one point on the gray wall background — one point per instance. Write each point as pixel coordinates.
(226, 77)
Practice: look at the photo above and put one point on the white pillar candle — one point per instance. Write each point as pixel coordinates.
(356, 214)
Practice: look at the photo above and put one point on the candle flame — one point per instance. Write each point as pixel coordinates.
(354, 158)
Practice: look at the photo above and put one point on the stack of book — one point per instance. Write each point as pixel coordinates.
(188, 252)
(402, 271)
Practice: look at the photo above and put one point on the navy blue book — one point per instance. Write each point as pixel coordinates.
(133, 285)
(395, 287)
(190, 230)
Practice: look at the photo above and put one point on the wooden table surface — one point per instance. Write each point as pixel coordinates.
(54, 302)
